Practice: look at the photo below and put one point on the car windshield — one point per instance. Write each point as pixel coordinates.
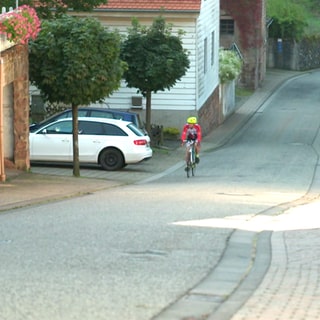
(135, 130)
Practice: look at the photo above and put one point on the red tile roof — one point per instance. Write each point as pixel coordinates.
(170, 5)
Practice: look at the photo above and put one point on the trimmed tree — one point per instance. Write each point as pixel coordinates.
(156, 59)
(75, 62)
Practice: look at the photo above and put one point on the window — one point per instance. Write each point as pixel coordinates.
(65, 115)
(227, 26)
(205, 55)
(101, 114)
(64, 127)
(212, 47)
(90, 127)
(135, 130)
(81, 113)
(112, 130)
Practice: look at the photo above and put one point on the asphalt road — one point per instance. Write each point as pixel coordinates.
(130, 252)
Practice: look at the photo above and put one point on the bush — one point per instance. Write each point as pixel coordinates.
(171, 131)
(230, 65)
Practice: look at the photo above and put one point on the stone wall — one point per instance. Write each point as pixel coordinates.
(291, 55)
(15, 88)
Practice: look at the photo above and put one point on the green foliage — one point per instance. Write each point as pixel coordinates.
(44, 7)
(75, 61)
(230, 65)
(310, 5)
(155, 57)
(243, 92)
(289, 19)
(171, 131)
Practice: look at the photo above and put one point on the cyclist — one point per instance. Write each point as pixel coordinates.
(192, 132)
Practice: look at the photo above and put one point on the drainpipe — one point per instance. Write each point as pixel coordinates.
(2, 171)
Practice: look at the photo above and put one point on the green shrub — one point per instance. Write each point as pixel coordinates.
(171, 131)
(230, 65)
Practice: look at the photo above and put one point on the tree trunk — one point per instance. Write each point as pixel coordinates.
(148, 112)
(75, 130)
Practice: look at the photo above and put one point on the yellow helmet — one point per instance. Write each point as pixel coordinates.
(192, 120)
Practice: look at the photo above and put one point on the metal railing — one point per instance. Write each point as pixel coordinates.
(236, 49)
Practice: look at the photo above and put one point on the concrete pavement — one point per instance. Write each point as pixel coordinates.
(270, 270)
(45, 183)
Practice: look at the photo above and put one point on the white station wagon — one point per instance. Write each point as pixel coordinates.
(111, 143)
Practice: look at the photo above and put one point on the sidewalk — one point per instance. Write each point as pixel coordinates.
(23, 188)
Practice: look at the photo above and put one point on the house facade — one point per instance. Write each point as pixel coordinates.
(197, 93)
(14, 106)
(243, 27)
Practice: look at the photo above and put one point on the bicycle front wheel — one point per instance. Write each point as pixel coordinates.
(193, 161)
(193, 169)
(187, 169)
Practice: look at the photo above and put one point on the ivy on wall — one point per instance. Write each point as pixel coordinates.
(248, 15)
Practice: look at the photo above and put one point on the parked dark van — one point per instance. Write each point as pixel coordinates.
(93, 112)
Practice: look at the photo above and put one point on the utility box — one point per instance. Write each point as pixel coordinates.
(136, 101)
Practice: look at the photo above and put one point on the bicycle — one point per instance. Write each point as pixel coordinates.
(191, 162)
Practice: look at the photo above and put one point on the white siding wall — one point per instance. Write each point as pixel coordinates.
(195, 87)
(183, 95)
(208, 31)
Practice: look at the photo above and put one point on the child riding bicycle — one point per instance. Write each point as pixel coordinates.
(191, 132)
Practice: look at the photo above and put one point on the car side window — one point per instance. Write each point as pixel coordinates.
(63, 127)
(82, 113)
(68, 114)
(112, 130)
(89, 127)
(65, 115)
(135, 130)
(101, 114)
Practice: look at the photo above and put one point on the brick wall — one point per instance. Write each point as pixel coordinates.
(250, 35)
(210, 116)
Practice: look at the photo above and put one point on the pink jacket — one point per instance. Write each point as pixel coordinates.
(186, 128)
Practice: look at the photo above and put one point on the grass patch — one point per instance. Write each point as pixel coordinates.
(242, 92)
(159, 150)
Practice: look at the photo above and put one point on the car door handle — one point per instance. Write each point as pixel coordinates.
(65, 140)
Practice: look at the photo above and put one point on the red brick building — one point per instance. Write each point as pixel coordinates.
(243, 25)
